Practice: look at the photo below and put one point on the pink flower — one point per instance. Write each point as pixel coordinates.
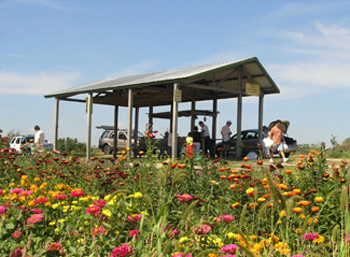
(310, 236)
(230, 255)
(100, 231)
(102, 203)
(298, 255)
(16, 234)
(41, 200)
(17, 253)
(55, 247)
(94, 210)
(77, 193)
(125, 250)
(229, 249)
(2, 210)
(225, 218)
(134, 219)
(134, 233)
(173, 233)
(60, 197)
(37, 211)
(35, 218)
(184, 197)
(1, 192)
(346, 238)
(26, 192)
(16, 191)
(201, 230)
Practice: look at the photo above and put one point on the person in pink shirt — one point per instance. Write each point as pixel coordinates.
(276, 135)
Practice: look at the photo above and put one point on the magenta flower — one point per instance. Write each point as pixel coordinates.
(2, 210)
(229, 249)
(77, 193)
(16, 234)
(102, 203)
(60, 197)
(37, 211)
(41, 200)
(298, 255)
(94, 210)
(100, 231)
(55, 247)
(35, 218)
(184, 197)
(16, 191)
(173, 233)
(134, 219)
(125, 250)
(230, 255)
(310, 236)
(225, 218)
(134, 233)
(17, 253)
(1, 192)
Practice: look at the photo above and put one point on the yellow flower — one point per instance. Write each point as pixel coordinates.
(107, 212)
(279, 221)
(57, 230)
(283, 214)
(302, 216)
(36, 179)
(54, 206)
(318, 199)
(319, 240)
(261, 199)
(298, 231)
(61, 221)
(230, 235)
(253, 237)
(138, 195)
(12, 184)
(52, 223)
(214, 183)
(218, 242)
(81, 241)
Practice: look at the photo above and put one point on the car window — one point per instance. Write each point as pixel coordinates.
(234, 137)
(122, 136)
(250, 135)
(23, 140)
(105, 134)
(18, 140)
(111, 135)
(30, 139)
(13, 141)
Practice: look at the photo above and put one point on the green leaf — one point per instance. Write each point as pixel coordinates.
(10, 226)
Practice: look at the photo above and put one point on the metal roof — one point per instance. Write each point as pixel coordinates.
(204, 82)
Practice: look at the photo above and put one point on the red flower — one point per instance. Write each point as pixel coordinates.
(134, 233)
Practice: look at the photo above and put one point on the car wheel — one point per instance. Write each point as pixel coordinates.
(107, 149)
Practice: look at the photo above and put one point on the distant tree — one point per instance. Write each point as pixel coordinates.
(70, 145)
(13, 134)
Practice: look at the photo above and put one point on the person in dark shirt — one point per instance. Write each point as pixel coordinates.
(196, 138)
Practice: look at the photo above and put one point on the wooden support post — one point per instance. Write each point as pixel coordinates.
(174, 132)
(193, 118)
(89, 114)
(55, 132)
(239, 116)
(115, 146)
(214, 125)
(261, 111)
(130, 106)
(136, 130)
(171, 119)
(150, 115)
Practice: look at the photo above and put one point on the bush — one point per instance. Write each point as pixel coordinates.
(71, 146)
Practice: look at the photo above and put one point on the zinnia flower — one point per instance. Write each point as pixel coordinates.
(77, 193)
(225, 218)
(16, 234)
(318, 199)
(2, 210)
(134, 233)
(125, 250)
(35, 218)
(229, 249)
(134, 218)
(297, 210)
(184, 197)
(310, 236)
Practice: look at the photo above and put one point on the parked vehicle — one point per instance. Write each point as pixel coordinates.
(106, 141)
(25, 144)
(250, 141)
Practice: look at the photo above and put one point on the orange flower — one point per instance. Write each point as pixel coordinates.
(123, 152)
(315, 209)
(235, 205)
(318, 199)
(301, 156)
(127, 149)
(228, 168)
(253, 205)
(343, 161)
(245, 159)
(297, 210)
(181, 166)
(233, 171)
(297, 191)
(174, 165)
(261, 199)
(281, 186)
(270, 205)
(304, 203)
(223, 177)
(221, 169)
(288, 172)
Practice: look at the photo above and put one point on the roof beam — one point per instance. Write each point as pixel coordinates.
(211, 88)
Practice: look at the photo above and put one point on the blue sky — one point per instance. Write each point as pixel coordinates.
(46, 46)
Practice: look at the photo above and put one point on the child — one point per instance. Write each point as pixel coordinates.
(189, 146)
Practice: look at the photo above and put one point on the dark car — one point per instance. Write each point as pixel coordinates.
(250, 141)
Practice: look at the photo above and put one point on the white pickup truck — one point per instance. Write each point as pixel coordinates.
(25, 144)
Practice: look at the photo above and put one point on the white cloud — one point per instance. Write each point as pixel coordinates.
(39, 84)
(139, 68)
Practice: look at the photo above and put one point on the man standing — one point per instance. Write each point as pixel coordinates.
(39, 136)
(196, 139)
(277, 137)
(226, 138)
(206, 136)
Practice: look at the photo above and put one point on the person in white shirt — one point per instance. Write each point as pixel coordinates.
(226, 138)
(205, 134)
(39, 137)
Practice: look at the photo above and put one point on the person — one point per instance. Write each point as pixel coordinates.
(39, 136)
(276, 135)
(196, 139)
(170, 142)
(206, 136)
(189, 145)
(226, 138)
(266, 150)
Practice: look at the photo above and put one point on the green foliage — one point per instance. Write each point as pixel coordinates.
(70, 146)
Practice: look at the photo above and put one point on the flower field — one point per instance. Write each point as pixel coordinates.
(53, 204)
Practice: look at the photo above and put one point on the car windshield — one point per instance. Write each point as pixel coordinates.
(30, 139)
